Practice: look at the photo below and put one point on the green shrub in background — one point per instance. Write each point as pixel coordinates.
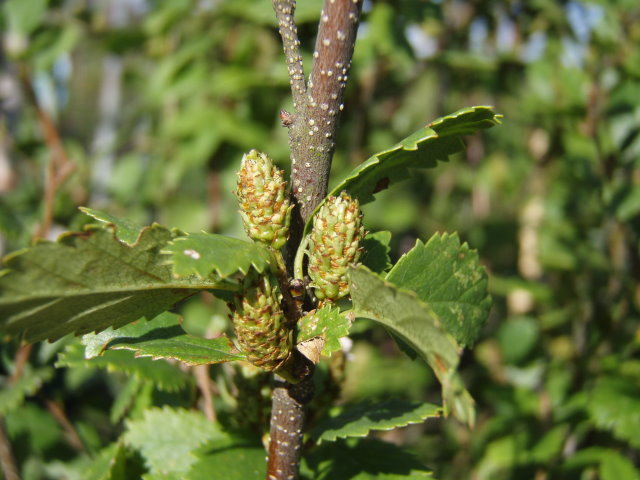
(156, 106)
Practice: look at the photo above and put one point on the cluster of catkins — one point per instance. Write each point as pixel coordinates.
(264, 334)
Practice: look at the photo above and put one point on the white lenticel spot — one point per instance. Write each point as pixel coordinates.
(192, 253)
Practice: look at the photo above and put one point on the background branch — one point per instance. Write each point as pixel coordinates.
(59, 167)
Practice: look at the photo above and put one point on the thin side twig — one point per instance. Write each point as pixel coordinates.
(204, 383)
(285, 10)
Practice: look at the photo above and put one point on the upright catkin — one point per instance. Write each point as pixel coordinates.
(264, 205)
(334, 244)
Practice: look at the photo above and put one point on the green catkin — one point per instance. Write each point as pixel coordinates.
(260, 325)
(264, 206)
(334, 244)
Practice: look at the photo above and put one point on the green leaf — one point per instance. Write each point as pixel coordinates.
(164, 337)
(231, 459)
(12, 394)
(35, 425)
(108, 465)
(162, 374)
(172, 342)
(205, 253)
(88, 281)
(422, 149)
(24, 17)
(449, 278)
(125, 230)
(358, 421)
(166, 438)
(616, 467)
(328, 323)
(363, 459)
(376, 251)
(417, 325)
(614, 404)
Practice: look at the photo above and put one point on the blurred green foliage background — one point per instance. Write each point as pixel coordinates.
(153, 103)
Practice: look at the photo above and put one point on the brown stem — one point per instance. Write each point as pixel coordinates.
(312, 131)
(289, 32)
(287, 421)
(7, 460)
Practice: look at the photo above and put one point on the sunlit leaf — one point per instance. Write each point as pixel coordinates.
(166, 438)
(109, 464)
(230, 458)
(164, 337)
(162, 374)
(614, 404)
(204, 254)
(449, 278)
(327, 323)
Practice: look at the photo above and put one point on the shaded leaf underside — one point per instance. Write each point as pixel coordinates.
(363, 459)
(88, 281)
(419, 326)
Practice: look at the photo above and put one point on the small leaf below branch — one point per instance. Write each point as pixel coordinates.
(163, 337)
(358, 421)
(125, 230)
(327, 323)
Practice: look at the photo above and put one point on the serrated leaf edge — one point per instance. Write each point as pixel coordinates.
(216, 271)
(437, 414)
(375, 160)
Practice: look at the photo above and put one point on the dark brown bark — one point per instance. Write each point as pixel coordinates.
(312, 131)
